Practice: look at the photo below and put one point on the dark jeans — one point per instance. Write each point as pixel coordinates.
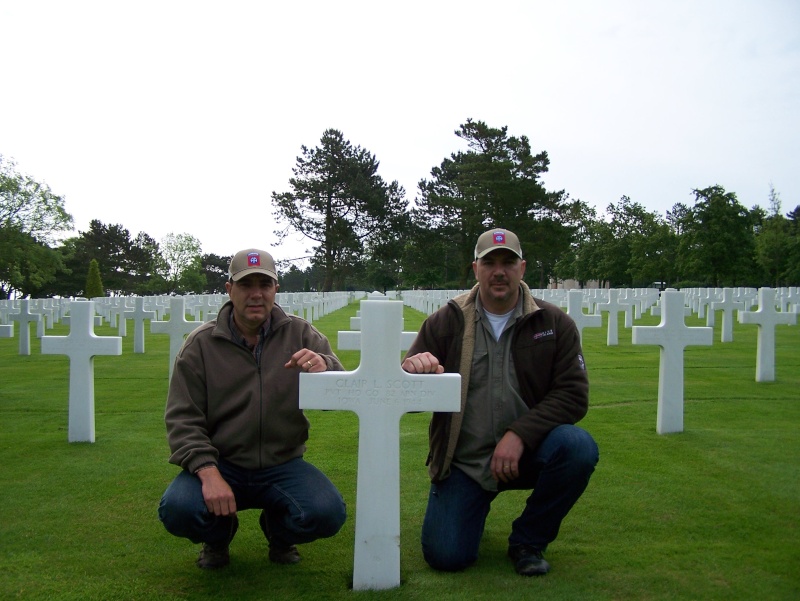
(300, 502)
(558, 472)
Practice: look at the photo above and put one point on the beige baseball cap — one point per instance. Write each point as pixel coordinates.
(250, 261)
(495, 239)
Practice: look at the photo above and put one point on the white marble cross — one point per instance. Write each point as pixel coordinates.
(138, 314)
(613, 307)
(672, 335)
(81, 346)
(25, 317)
(727, 304)
(177, 327)
(766, 318)
(575, 311)
(379, 392)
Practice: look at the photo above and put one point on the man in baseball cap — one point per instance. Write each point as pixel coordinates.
(525, 387)
(235, 428)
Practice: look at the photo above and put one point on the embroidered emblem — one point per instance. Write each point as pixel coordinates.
(543, 334)
(254, 260)
(499, 237)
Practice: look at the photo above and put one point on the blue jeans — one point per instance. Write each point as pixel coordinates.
(301, 504)
(558, 472)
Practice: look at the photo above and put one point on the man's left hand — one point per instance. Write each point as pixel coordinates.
(308, 361)
(505, 461)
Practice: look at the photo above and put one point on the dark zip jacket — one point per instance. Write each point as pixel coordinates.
(547, 357)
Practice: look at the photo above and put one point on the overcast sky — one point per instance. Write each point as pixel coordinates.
(184, 116)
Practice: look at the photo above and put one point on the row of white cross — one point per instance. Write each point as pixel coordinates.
(118, 310)
(672, 335)
(380, 392)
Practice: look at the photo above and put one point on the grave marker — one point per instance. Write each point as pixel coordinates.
(727, 305)
(25, 317)
(81, 346)
(177, 327)
(575, 311)
(379, 392)
(613, 307)
(766, 318)
(672, 335)
(138, 314)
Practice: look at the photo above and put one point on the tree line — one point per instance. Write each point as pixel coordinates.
(367, 235)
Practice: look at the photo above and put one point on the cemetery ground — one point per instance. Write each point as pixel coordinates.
(711, 513)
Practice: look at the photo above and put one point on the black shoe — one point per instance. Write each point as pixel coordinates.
(528, 561)
(287, 556)
(218, 555)
(284, 555)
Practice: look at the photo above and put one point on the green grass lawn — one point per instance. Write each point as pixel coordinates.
(711, 513)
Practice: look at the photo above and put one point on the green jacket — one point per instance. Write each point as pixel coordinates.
(222, 403)
(547, 356)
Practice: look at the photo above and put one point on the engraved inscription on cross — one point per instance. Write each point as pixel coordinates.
(81, 346)
(379, 392)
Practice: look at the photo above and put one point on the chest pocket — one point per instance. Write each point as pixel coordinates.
(480, 369)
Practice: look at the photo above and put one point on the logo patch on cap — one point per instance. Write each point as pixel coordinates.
(499, 237)
(254, 259)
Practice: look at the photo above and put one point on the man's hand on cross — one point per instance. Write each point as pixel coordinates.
(422, 363)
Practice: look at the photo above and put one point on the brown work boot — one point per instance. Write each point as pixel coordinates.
(213, 556)
(286, 555)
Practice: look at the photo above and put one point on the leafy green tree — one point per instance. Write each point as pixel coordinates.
(549, 235)
(27, 266)
(581, 262)
(338, 201)
(428, 261)
(215, 268)
(717, 247)
(291, 279)
(383, 266)
(181, 254)
(192, 279)
(638, 247)
(143, 265)
(773, 241)
(653, 252)
(94, 285)
(629, 225)
(792, 272)
(29, 205)
(127, 266)
(495, 183)
(15, 245)
(30, 215)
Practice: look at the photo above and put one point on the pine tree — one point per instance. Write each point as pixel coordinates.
(94, 285)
